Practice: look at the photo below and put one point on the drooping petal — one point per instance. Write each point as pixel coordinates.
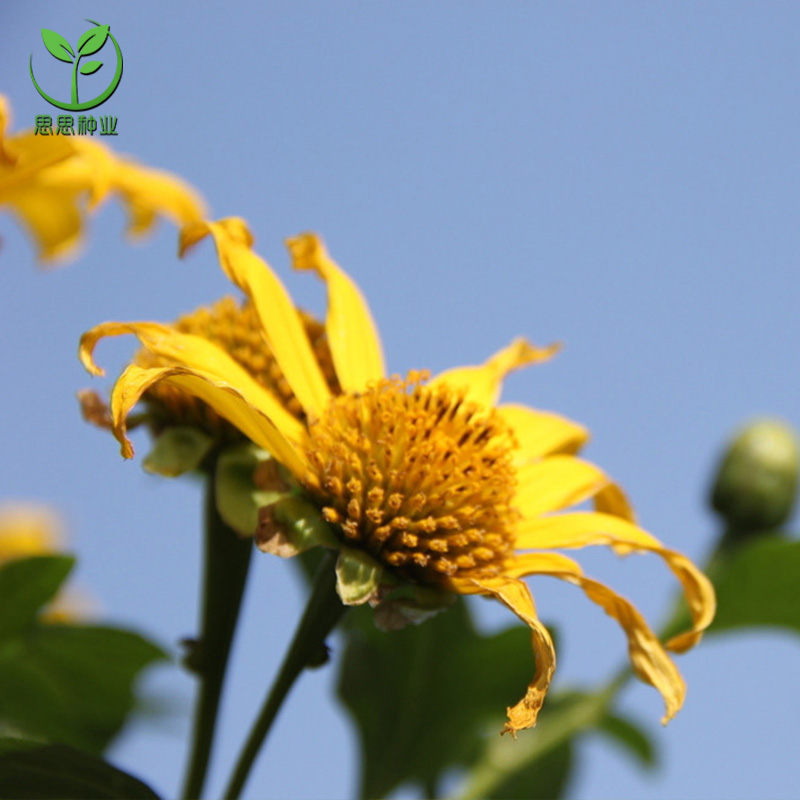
(352, 335)
(283, 326)
(516, 596)
(198, 355)
(227, 401)
(483, 384)
(582, 529)
(541, 433)
(648, 657)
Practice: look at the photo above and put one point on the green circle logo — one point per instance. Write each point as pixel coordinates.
(89, 43)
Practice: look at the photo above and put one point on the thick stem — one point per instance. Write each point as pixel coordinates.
(227, 558)
(323, 611)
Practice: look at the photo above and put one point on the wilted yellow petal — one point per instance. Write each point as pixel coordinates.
(227, 401)
(541, 433)
(352, 335)
(648, 657)
(516, 595)
(582, 529)
(283, 326)
(199, 355)
(483, 384)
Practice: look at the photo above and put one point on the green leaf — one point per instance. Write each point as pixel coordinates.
(759, 585)
(421, 697)
(91, 66)
(27, 584)
(72, 684)
(177, 450)
(57, 45)
(92, 40)
(631, 736)
(34, 771)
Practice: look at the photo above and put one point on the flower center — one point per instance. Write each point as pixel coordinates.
(236, 329)
(415, 475)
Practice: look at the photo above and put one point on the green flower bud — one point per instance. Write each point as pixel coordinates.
(756, 482)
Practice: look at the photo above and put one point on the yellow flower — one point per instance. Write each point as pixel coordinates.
(48, 181)
(28, 530)
(432, 479)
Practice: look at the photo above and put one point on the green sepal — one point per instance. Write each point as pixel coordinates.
(358, 576)
(410, 604)
(177, 451)
(237, 496)
(37, 771)
(291, 526)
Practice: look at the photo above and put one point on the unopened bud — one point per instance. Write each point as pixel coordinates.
(756, 482)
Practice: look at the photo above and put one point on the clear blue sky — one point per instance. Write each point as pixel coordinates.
(622, 177)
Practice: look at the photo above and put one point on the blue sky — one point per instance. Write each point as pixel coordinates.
(620, 177)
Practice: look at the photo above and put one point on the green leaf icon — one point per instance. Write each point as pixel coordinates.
(91, 41)
(91, 66)
(57, 45)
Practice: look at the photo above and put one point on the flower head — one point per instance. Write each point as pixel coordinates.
(47, 181)
(430, 479)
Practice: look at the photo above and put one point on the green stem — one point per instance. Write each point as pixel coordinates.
(323, 611)
(227, 558)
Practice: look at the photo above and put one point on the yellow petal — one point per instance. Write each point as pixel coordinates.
(52, 217)
(516, 595)
(582, 529)
(28, 530)
(541, 433)
(482, 384)
(150, 193)
(352, 335)
(648, 657)
(555, 483)
(283, 326)
(227, 401)
(198, 355)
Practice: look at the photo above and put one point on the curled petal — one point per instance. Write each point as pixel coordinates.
(223, 398)
(352, 335)
(582, 529)
(198, 355)
(648, 658)
(541, 433)
(482, 384)
(515, 595)
(282, 324)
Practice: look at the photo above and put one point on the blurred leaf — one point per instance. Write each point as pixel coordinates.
(93, 39)
(631, 736)
(421, 697)
(758, 584)
(90, 67)
(33, 771)
(27, 584)
(71, 684)
(57, 45)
